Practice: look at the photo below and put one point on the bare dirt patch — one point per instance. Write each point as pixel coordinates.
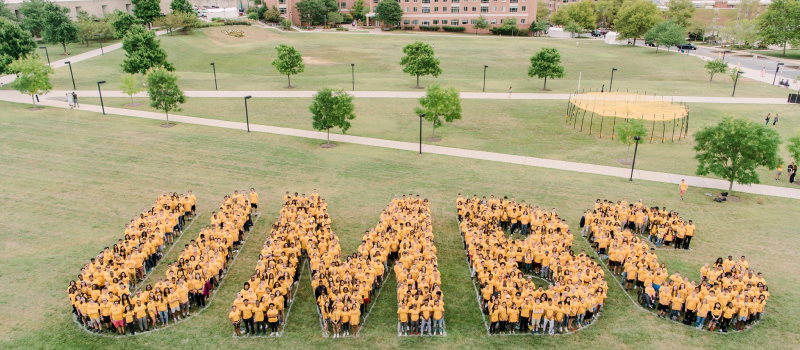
(316, 61)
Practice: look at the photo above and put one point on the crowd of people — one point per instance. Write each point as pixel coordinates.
(504, 267)
(729, 295)
(661, 227)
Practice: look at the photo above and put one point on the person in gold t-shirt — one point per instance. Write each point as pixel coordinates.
(236, 319)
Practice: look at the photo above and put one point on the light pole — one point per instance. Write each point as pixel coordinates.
(738, 72)
(214, 67)
(101, 43)
(421, 117)
(48, 54)
(484, 77)
(612, 79)
(777, 68)
(637, 138)
(246, 115)
(724, 52)
(353, 71)
(70, 74)
(101, 96)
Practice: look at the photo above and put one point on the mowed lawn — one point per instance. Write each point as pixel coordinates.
(520, 127)
(244, 64)
(72, 179)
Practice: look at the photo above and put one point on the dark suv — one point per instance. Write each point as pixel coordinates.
(686, 46)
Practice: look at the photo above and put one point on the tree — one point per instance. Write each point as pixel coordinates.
(165, 95)
(33, 16)
(289, 61)
(388, 11)
(332, 109)
(331, 6)
(546, 64)
(668, 33)
(358, 10)
(122, 23)
(680, 10)
(440, 103)
(794, 147)
(272, 15)
(15, 43)
(733, 72)
(186, 21)
(419, 61)
(5, 12)
(584, 14)
(130, 85)
(606, 11)
(716, 66)
(334, 17)
(703, 22)
(542, 11)
(574, 28)
(146, 10)
(780, 24)
(313, 11)
(538, 26)
(181, 6)
(560, 17)
(143, 51)
(741, 32)
(33, 76)
(635, 18)
(481, 23)
(734, 148)
(286, 24)
(509, 26)
(627, 132)
(58, 27)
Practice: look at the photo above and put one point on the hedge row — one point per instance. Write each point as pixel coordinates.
(430, 28)
(454, 29)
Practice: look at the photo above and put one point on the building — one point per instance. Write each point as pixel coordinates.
(435, 12)
(92, 7)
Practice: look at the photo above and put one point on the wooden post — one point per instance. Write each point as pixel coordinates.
(654, 128)
(591, 123)
(583, 118)
(602, 118)
(674, 121)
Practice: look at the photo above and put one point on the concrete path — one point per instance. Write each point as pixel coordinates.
(694, 181)
(418, 94)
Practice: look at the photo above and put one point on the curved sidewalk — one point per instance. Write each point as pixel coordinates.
(696, 181)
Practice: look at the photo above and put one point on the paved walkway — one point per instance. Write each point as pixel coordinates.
(450, 151)
(418, 94)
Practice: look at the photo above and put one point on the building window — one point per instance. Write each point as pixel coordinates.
(523, 8)
(494, 21)
(502, 9)
(501, 21)
(435, 21)
(415, 22)
(343, 5)
(454, 10)
(484, 9)
(453, 22)
(426, 22)
(436, 9)
(406, 8)
(522, 21)
(415, 9)
(282, 10)
(426, 10)
(494, 9)
(444, 9)
(512, 9)
(426, 1)
(473, 9)
(464, 21)
(405, 21)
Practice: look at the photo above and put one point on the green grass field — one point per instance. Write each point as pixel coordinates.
(57, 51)
(244, 64)
(521, 127)
(71, 179)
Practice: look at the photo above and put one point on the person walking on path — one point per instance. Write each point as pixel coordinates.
(763, 71)
(684, 187)
(775, 120)
(767, 119)
(792, 171)
(70, 100)
(778, 172)
(509, 92)
(75, 100)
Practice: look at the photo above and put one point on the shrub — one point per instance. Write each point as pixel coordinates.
(408, 27)
(343, 29)
(237, 23)
(429, 28)
(454, 29)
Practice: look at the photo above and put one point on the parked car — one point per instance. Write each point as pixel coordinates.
(650, 43)
(686, 46)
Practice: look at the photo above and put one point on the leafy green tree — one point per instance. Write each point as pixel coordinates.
(509, 26)
(58, 26)
(716, 66)
(143, 51)
(33, 13)
(635, 18)
(272, 15)
(741, 32)
(313, 11)
(181, 6)
(332, 109)
(5, 12)
(130, 85)
(542, 10)
(780, 24)
(33, 76)
(606, 11)
(419, 60)
(794, 147)
(546, 64)
(186, 21)
(122, 23)
(561, 16)
(388, 12)
(668, 33)
(734, 148)
(627, 132)
(86, 29)
(165, 95)
(438, 104)
(334, 17)
(289, 61)
(358, 10)
(15, 43)
(538, 26)
(481, 23)
(574, 28)
(146, 10)
(286, 24)
(702, 22)
(584, 14)
(733, 72)
(681, 11)
(331, 6)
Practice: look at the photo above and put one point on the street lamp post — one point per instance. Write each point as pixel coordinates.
(101, 96)
(777, 68)
(70, 74)
(101, 43)
(637, 138)
(246, 114)
(48, 54)
(724, 52)
(612, 79)
(738, 72)
(353, 71)
(214, 67)
(484, 77)
(421, 117)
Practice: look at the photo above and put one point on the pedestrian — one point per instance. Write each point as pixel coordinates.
(767, 119)
(69, 100)
(775, 120)
(778, 172)
(684, 187)
(763, 71)
(509, 92)
(576, 44)
(75, 100)
(792, 169)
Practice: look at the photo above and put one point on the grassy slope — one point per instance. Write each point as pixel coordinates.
(244, 64)
(529, 128)
(72, 179)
